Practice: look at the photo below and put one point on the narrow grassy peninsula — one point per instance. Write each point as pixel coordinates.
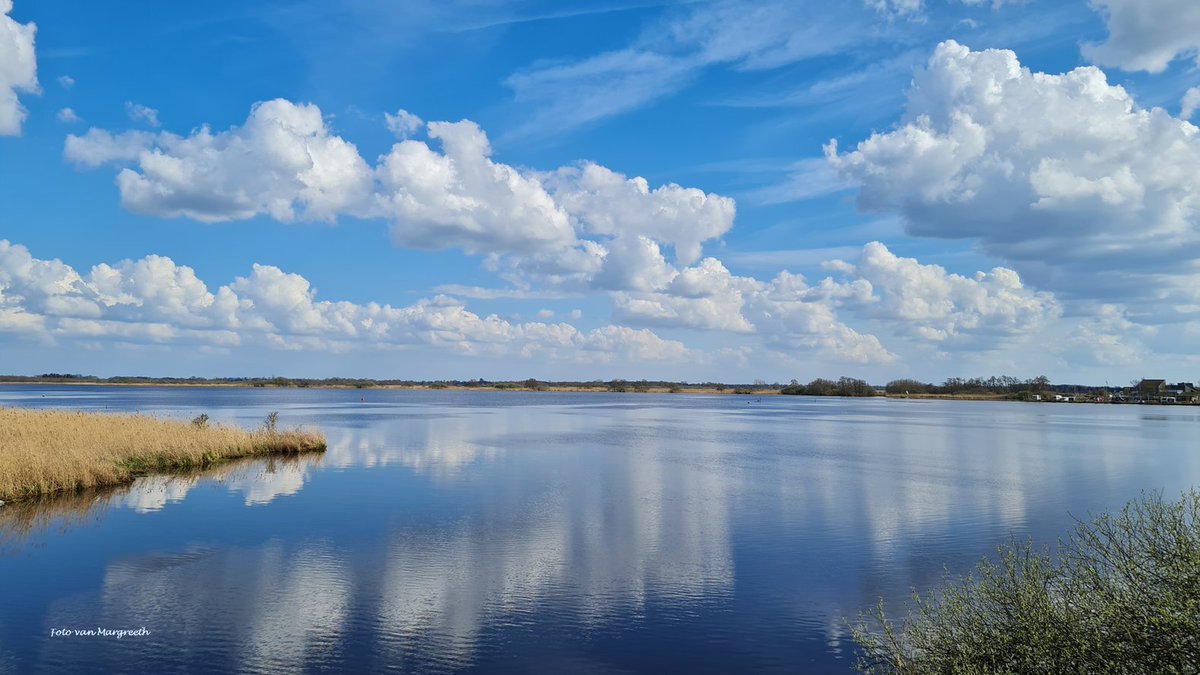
(45, 452)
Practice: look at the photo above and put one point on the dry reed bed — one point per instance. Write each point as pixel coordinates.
(49, 451)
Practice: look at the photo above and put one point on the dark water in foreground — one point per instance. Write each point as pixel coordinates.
(538, 532)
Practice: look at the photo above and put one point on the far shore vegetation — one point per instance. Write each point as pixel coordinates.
(994, 388)
(46, 452)
(1120, 595)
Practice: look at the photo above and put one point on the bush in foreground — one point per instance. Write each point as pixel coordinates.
(1122, 595)
(49, 451)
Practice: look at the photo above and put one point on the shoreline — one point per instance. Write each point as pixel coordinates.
(549, 388)
(729, 390)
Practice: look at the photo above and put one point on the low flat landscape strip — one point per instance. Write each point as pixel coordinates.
(50, 451)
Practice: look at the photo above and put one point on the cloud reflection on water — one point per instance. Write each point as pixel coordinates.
(259, 480)
(435, 542)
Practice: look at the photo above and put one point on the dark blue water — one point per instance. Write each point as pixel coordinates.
(541, 532)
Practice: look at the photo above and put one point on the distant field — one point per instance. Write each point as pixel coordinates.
(49, 451)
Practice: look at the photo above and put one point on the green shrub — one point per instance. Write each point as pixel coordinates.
(1121, 595)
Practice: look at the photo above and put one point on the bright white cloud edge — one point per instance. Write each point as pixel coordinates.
(18, 69)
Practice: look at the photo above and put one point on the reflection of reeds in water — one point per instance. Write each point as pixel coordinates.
(48, 451)
(23, 522)
(20, 521)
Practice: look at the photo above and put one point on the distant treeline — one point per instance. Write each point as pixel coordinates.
(530, 384)
(1002, 384)
(995, 386)
(843, 386)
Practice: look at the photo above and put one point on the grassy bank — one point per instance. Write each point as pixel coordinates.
(50, 451)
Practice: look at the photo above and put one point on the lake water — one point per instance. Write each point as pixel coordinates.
(545, 532)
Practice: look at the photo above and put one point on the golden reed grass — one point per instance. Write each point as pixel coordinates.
(50, 451)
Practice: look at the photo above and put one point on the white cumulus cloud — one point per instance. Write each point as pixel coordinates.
(1146, 34)
(18, 69)
(155, 300)
(929, 302)
(785, 313)
(900, 296)
(1107, 337)
(633, 263)
(447, 192)
(1063, 176)
(282, 162)
(608, 203)
(460, 197)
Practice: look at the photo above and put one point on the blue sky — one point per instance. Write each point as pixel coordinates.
(601, 189)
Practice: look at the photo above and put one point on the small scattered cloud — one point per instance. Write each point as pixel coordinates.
(896, 7)
(98, 147)
(1190, 104)
(65, 81)
(68, 116)
(403, 124)
(140, 113)
(913, 8)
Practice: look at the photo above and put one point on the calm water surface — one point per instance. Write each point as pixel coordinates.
(541, 532)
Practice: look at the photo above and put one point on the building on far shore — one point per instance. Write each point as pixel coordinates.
(1160, 391)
